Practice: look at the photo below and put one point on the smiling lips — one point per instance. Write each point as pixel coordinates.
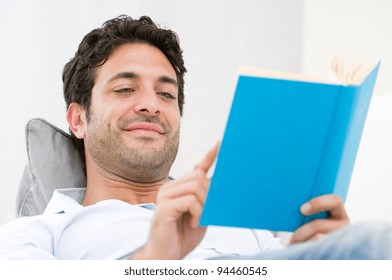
(146, 129)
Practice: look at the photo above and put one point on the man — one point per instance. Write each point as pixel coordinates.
(124, 90)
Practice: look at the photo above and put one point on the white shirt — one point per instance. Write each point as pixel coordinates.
(110, 229)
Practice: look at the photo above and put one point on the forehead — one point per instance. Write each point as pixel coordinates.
(136, 57)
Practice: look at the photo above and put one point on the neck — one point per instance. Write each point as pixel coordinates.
(101, 187)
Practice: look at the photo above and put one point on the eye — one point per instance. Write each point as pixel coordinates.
(124, 90)
(167, 95)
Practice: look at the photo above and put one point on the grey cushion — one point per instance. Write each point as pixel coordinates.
(53, 163)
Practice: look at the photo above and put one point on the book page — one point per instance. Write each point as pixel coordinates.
(258, 72)
(354, 76)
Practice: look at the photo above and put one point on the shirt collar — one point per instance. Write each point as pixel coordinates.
(64, 200)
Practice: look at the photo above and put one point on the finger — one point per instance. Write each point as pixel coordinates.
(197, 186)
(311, 238)
(209, 158)
(330, 203)
(316, 227)
(195, 212)
(175, 209)
(317, 236)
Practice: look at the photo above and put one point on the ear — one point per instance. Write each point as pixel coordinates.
(76, 118)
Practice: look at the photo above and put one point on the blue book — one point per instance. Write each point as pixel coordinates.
(287, 140)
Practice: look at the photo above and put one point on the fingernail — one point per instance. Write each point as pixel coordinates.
(306, 208)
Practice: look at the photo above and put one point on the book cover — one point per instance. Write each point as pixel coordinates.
(286, 141)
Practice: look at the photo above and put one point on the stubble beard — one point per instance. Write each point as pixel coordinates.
(143, 162)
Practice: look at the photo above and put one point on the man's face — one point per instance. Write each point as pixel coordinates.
(134, 119)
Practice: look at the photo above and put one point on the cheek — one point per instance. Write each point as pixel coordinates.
(175, 119)
(112, 112)
(105, 107)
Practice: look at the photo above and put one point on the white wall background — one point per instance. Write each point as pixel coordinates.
(38, 37)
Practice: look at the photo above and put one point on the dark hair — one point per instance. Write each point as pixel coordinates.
(96, 46)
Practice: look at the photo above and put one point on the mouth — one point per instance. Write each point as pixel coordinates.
(145, 129)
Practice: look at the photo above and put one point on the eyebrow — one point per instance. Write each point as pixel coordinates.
(123, 75)
(133, 75)
(168, 80)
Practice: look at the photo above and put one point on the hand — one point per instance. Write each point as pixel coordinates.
(320, 227)
(175, 229)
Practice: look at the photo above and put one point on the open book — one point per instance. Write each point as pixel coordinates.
(288, 138)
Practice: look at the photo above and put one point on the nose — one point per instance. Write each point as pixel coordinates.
(148, 103)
